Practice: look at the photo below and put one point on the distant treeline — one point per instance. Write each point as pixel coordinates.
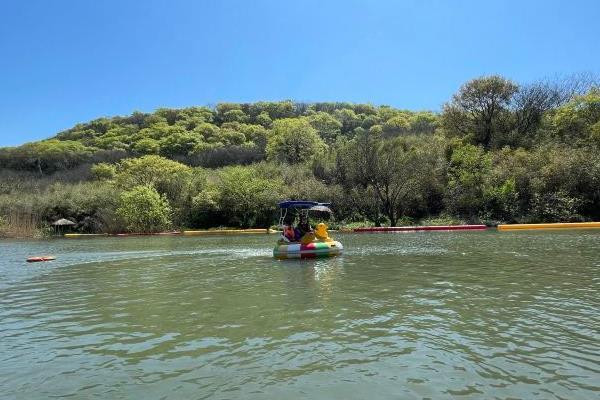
(497, 152)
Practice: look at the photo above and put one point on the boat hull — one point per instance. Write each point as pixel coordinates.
(310, 250)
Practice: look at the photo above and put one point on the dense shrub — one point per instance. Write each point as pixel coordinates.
(143, 209)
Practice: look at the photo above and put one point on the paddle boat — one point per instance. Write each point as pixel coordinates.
(302, 241)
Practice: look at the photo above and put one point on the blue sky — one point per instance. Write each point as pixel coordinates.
(63, 62)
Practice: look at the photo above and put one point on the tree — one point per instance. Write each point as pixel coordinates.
(241, 196)
(469, 166)
(47, 156)
(480, 110)
(398, 175)
(578, 121)
(423, 122)
(144, 210)
(397, 125)
(208, 131)
(235, 116)
(231, 137)
(293, 141)
(328, 127)
(264, 119)
(171, 115)
(146, 146)
(355, 163)
(223, 108)
(179, 143)
(103, 171)
(166, 176)
(348, 119)
(397, 178)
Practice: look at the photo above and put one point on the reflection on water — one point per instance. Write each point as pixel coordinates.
(417, 315)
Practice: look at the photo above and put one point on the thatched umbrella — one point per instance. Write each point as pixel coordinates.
(58, 225)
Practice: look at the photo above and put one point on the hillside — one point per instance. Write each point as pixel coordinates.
(228, 134)
(498, 151)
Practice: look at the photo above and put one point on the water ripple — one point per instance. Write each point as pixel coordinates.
(440, 315)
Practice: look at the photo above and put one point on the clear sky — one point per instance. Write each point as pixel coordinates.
(63, 62)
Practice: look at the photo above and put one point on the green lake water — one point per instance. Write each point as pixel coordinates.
(438, 315)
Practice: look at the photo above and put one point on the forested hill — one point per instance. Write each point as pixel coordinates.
(498, 151)
(228, 134)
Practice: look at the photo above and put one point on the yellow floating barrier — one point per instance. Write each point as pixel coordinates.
(554, 226)
(217, 232)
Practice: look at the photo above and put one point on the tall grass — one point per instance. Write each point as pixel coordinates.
(20, 225)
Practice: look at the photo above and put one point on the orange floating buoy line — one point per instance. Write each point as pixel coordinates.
(39, 259)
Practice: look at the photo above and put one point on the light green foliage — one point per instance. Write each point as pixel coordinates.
(159, 130)
(235, 116)
(166, 176)
(376, 130)
(369, 121)
(144, 210)
(348, 119)
(386, 112)
(423, 122)
(223, 108)
(242, 197)
(501, 201)
(179, 143)
(578, 121)
(397, 125)
(103, 171)
(231, 137)
(293, 141)
(469, 165)
(46, 156)
(146, 146)
(255, 134)
(198, 114)
(328, 127)
(209, 132)
(264, 119)
(275, 110)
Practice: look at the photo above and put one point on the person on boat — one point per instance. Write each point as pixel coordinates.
(303, 227)
(288, 234)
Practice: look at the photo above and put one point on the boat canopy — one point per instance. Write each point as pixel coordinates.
(305, 204)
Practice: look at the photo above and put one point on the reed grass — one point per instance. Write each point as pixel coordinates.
(20, 225)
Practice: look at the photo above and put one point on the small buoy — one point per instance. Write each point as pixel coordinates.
(42, 258)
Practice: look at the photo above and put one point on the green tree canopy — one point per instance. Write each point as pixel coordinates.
(144, 210)
(166, 176)
(480, 109)
(293, 141)
(328, 127)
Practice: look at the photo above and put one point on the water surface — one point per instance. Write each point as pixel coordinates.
(440, 315)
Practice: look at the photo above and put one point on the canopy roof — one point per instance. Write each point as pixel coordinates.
(305, 204)
(62, 222)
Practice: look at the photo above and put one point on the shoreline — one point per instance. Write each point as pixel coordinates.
(558, 226)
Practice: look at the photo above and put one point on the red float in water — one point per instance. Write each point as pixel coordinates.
(42, 258)
(421, 228)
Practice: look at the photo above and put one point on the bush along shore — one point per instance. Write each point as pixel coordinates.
(498, 151)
